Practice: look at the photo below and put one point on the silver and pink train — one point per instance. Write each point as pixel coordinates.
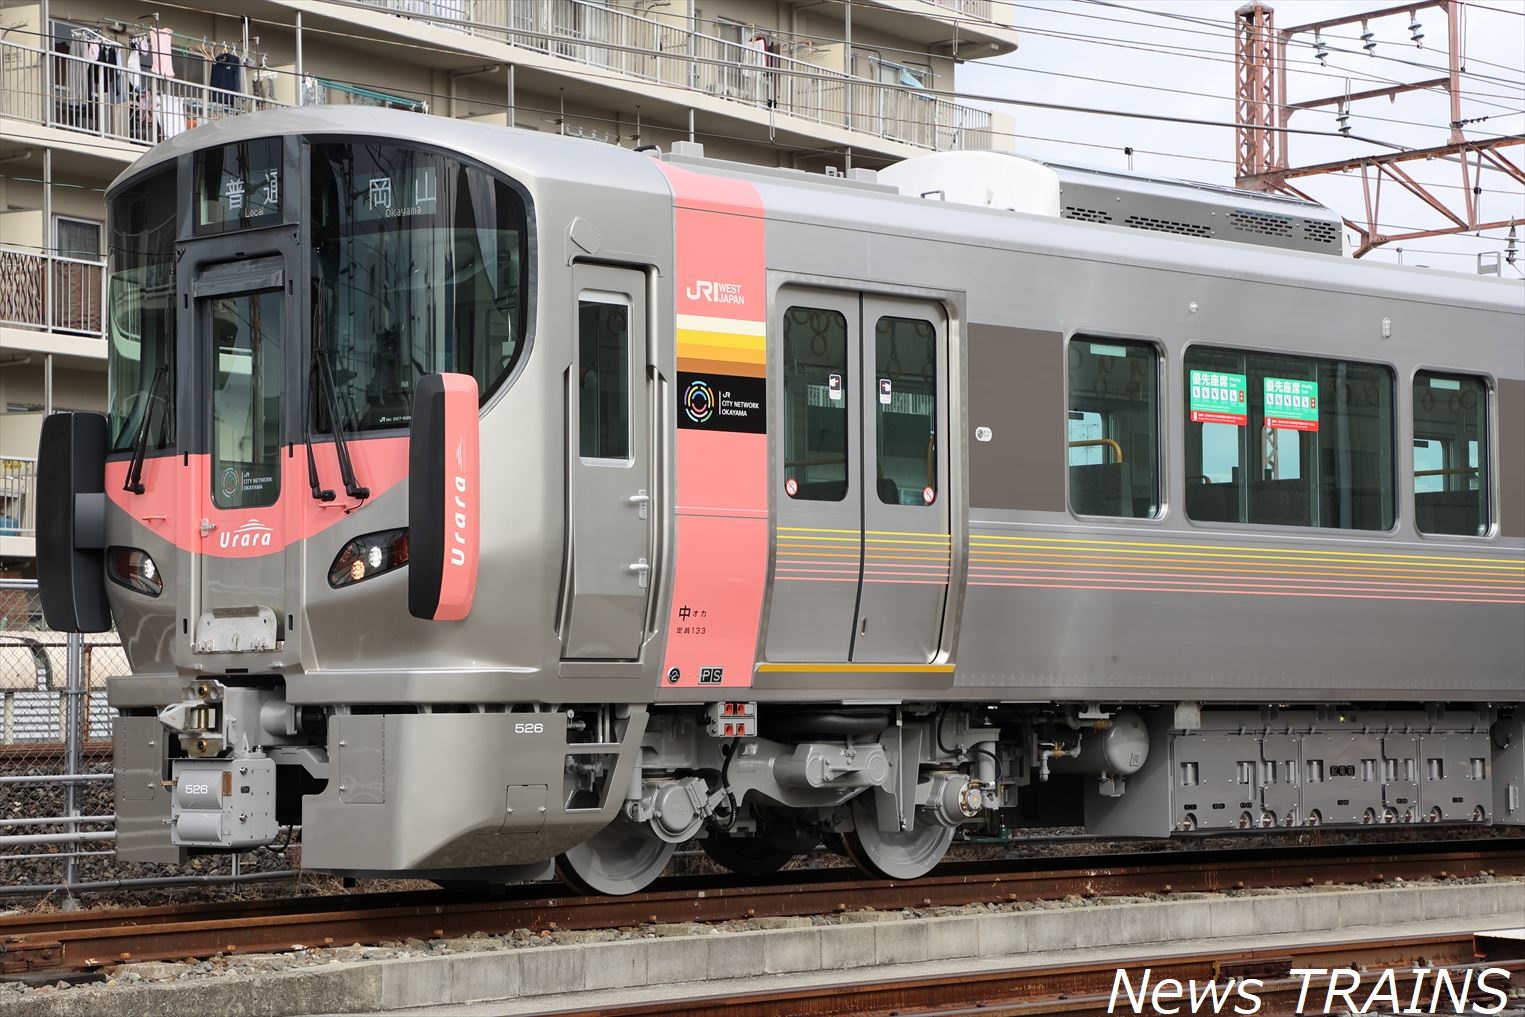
(482, 501)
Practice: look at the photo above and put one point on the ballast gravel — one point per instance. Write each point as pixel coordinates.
(221, 965)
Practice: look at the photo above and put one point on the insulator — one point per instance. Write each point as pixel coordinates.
(1343, 119)
(1320, 50)
(1511, 246)
(1415, 35)
(1368, 40)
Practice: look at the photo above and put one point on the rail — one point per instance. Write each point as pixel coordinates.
(647, 50)
(1090, 988)
(83, 940)
(43, 289)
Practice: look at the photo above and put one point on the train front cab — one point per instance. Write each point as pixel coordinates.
(279, 307)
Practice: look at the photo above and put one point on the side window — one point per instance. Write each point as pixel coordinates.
(1113, 428)
(1288, 441)
(1450, 454)
(905, 368)
(816, 394)
(603, 363)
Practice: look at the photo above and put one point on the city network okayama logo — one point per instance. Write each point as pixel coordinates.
(699, 401)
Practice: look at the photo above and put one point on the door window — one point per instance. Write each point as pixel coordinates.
(1450, 464)
(603, 358)
(247, 372)
(815, 404)
(905, 368)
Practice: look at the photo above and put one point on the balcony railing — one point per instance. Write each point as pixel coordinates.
(647, 50)
(982, 10)
(18, 497)
(76, 94)
(41, 289)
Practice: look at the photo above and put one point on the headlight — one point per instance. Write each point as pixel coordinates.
(369, 556)
(134, 569)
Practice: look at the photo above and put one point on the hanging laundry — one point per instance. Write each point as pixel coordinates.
(171, 115)
(163, 40)
(264, 84)
(311, 95)
(227, 77)
(134, 65)
(115, 83)
(760, 53)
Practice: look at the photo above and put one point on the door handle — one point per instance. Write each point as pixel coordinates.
(641, 501)
(641, 568)
(207, 526)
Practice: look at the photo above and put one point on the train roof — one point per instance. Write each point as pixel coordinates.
(527, 155)
(877, 203)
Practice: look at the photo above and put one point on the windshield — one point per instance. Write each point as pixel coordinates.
(419, 266)
(141, 301)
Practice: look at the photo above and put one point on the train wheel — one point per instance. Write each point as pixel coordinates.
(907, 855)
(623, 857)
(746, 856)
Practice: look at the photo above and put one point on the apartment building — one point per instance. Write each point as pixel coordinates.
(86, 86)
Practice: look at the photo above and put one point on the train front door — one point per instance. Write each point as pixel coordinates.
(233, 495)
(860, 473)
(610, 507)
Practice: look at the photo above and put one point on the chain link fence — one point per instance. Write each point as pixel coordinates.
(55, 743)
(57, 819)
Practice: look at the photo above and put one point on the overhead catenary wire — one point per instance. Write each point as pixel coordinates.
(949, 94)
(830, 150)
(1232, 30)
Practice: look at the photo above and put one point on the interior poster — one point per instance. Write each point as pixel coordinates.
(1218, 398)
(1291, 405)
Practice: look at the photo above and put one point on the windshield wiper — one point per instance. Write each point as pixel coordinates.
(319, 492)
(134, 483)
(341, 445)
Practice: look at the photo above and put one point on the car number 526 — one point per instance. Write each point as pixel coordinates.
(534, 728)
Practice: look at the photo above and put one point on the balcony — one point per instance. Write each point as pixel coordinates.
(75, 94)
(652, 52)
(40, 289)
(18, 500)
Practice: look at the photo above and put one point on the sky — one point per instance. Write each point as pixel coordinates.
(1176, 58)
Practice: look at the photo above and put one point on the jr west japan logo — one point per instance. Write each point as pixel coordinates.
(716, 292)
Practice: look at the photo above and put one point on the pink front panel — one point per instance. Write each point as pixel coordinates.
(720, 571)
(719, 265)
(172, 481)
(458, 576)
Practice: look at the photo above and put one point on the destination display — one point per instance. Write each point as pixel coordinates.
(1291, 405)
(405, 191)
(1218, 398)
(238, 186)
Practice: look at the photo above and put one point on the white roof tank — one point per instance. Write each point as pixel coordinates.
(989, 179)
(1116, 198)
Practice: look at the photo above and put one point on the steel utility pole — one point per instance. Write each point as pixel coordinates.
(1263, 114)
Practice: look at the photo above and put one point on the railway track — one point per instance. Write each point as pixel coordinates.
(1086, 990)
(90, 940)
